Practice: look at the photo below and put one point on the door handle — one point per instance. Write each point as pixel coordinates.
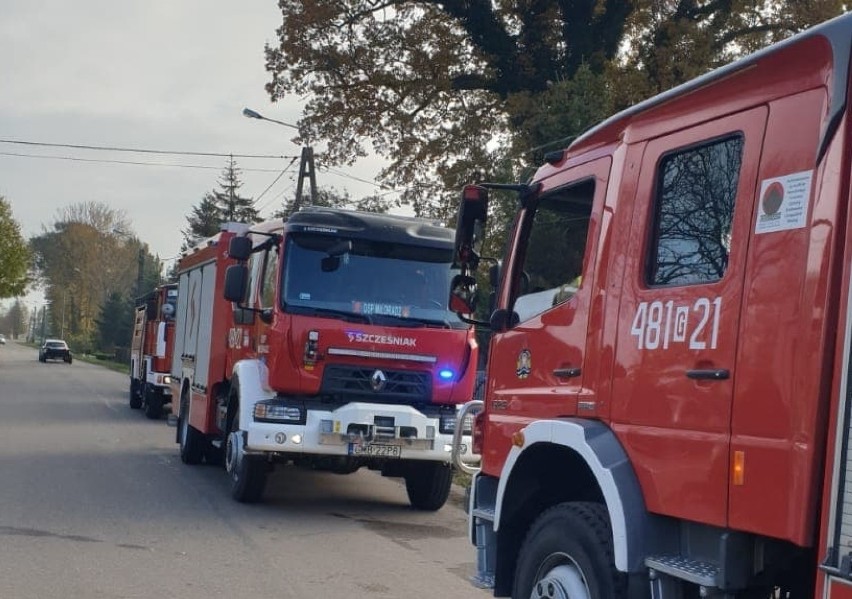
(567, 373)
(719, 374)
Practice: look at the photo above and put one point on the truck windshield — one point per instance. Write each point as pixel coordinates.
(374, 281)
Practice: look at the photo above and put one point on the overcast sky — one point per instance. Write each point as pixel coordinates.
(158, 74)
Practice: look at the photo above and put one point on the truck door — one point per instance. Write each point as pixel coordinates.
(536, 365)
(680, 308)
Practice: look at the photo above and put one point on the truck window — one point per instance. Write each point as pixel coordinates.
(387, 283)
(553, 259)
(270, 272)
(255, 280)
(696, 190)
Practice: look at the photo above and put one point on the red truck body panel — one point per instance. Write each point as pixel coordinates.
(729, 397)
(700, 423)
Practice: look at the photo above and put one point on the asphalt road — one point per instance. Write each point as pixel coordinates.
(95, 503)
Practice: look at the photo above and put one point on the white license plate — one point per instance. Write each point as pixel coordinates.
(375, 450)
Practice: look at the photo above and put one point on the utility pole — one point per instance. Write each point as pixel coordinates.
(43, 319)
(306, 169)
(140, 271)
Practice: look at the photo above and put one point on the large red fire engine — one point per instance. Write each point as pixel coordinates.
(667, 404)
(151, 350)
(324, 341)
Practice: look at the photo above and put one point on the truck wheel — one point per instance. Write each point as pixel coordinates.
(135, 400)
(428, 485)
(192, 442)
(153, 403)
(568, 553)
(248, 473)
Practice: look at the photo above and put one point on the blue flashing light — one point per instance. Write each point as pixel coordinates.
(446, 374)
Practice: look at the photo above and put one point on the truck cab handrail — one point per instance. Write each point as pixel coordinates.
(471, 407)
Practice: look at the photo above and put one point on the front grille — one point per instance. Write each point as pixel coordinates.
(353, 383)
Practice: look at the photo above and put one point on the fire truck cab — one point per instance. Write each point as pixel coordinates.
(150, 350)
(666, 410)
(325, 342)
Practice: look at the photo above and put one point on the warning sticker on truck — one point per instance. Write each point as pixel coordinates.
(783, 203)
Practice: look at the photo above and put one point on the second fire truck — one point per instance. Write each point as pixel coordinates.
(324, 341)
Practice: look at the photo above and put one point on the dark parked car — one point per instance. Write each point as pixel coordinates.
(54, 349)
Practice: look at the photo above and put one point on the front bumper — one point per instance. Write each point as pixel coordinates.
(412, 435)
(160, 381)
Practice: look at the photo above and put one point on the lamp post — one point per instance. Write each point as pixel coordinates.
(306, 166)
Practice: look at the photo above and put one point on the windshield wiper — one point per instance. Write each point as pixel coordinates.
(390, 319)
(414, 323)
(340, 314)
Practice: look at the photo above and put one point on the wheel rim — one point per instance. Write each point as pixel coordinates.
(561, 578)
(234, 453)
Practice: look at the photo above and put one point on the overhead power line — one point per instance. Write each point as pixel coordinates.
(268, 187)
(339, 173)
(139, 150)
(133, 162)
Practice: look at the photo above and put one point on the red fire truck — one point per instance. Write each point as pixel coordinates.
(667, 403)
(151, 350)
(324, 341)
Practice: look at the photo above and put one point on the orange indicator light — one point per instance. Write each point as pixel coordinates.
(739, 468)
(518, 439)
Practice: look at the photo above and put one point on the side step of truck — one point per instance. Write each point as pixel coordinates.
(669, 573)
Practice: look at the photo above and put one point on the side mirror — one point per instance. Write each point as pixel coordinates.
(470, 227)
(236, 283)
(463, 294)
(168, 311)
(239, 248)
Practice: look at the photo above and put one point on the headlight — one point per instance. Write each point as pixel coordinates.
(448, 424)
(276, 412)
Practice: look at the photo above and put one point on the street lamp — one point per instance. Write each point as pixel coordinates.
(252, 114)
(306, 166)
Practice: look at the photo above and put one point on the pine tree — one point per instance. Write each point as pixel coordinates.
(233, 207)
(115, 322)
(204, 221)
(220, 206)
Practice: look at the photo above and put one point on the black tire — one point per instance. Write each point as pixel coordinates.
(192, 442)
(153, 403)
(135, 399)
(248, 473)
(428, 485)
(569, 544)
